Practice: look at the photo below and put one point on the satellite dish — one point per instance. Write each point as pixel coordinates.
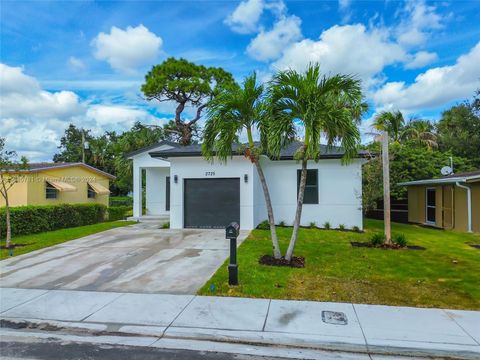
(446, 170)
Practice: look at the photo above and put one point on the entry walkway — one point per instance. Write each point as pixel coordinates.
(367, 329)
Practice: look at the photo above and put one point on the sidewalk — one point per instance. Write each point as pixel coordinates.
(368, 329)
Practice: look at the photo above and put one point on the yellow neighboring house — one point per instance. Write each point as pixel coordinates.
(60, 183)
(451, 202)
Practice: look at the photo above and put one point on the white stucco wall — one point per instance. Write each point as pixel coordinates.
(140, 162)
(340, 190)
(196, 168)
(156, 190)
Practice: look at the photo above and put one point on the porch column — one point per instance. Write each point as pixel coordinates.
(137, 191)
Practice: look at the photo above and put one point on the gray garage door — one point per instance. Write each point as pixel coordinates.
(211, 203)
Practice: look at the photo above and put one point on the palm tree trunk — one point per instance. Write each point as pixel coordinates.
(298, 214)
(277, 254)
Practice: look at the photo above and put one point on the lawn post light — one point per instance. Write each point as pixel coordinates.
(231, 232)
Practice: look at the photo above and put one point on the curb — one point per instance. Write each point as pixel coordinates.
(252, 338)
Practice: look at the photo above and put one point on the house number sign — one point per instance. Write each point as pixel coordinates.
(209, 173)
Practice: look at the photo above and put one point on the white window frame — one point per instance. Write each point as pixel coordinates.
(429, 206)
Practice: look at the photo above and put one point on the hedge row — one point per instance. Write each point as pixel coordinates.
(118, 212)
(121, 201)
(34, 219)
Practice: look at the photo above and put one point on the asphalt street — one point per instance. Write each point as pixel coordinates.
(61, 350)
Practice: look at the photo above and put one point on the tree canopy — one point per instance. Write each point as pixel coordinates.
(459, 131)
(188, 85)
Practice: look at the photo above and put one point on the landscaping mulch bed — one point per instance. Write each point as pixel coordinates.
(13, 246)
(476, 246)
(385, 247)
(297, 261)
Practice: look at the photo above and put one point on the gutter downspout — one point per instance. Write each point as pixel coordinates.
(469, 204)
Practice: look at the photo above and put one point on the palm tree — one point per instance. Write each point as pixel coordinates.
(421, 132)
(307, 106)
(229, 114)
(390, 121)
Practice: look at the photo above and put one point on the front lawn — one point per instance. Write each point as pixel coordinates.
(50, 238)
(445, 275)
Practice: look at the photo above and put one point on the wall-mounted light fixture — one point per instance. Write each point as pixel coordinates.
(245, 178)
(175, 179)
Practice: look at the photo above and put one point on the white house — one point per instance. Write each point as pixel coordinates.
(195, 193)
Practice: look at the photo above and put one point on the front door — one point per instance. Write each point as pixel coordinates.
(431, 205)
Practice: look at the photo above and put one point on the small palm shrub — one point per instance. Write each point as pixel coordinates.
(264, 225)
(400, 240)
(341, 227)
(313, 225)
(377, 239)
(326, 226)
(356, 229)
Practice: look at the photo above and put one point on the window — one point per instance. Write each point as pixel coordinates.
(311, 186)
(50, 191)
(431, 205)
(91, 194)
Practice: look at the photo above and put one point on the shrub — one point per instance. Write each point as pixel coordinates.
(121, 201)
(356, 228)
(400, 240)
(166, 225)
(313, 225)
(282, 223)
(34, 219)
(118, 212)
(377, 239)
(326, 226)
(341, 227)
(264, 225)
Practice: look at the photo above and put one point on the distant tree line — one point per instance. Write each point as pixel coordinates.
(420, 148)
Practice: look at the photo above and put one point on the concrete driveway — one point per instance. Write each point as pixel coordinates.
(140, 258)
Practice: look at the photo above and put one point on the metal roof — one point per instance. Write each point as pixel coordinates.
(471, 176)
(287, 152)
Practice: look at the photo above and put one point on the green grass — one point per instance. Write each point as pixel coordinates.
(50, 238)
(445, 275)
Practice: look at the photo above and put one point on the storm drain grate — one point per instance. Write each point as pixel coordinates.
(334, 317)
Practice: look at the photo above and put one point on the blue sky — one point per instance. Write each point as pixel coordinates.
(84, 61)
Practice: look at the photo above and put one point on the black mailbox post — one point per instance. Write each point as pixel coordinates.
(231, 232)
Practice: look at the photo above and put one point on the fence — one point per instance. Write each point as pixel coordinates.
(398, 212)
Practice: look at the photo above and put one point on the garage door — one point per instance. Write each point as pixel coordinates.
(211, 203)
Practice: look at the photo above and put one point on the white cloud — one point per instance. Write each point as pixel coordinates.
(76, 64)
(33, 120)
(343, 4)
(349, 49)
(117, 117)
(435, 87)
(421, 59)
(418, 22)
(244, 19)
(268, 45)
(125, 50)
(21, 96)
(13, 81)
(344, 7)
